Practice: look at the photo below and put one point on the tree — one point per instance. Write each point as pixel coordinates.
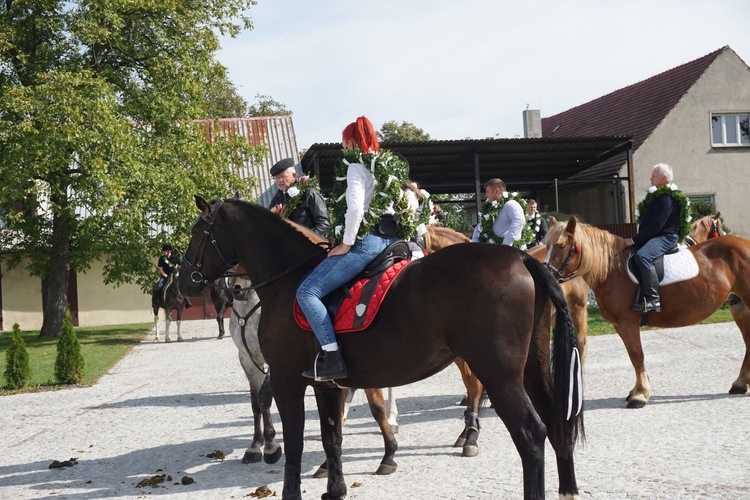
(69, 363)
(100, 153)
(393, 132)
(223, 101)
(266, 106)
(17, 369)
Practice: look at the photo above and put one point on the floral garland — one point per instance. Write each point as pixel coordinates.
(489, 213)
(390, 172)
(535, 223)
(297, 192)
(679, 196)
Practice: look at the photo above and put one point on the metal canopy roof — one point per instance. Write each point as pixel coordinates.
(462, 166)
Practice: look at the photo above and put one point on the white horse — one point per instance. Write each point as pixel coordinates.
(243, 327)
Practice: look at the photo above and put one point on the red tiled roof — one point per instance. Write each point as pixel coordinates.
(634, 111)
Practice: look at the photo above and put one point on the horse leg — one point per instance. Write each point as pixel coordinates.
(741, 316)
(378, 409)
(392, 411)
(272, 449)
(253, 453)
(512, 405)
(289, 393)
(167, 322)
(330, 401)
(220, 321)
(631, 336)
(348, 397)
(470, 435)
(156, 325)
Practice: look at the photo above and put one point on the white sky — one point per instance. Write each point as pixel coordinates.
(465, 68)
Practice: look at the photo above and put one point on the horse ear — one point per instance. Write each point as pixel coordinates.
(571, 228)
(237, 195)
(553, 221)
(717, 216)
(203, 205)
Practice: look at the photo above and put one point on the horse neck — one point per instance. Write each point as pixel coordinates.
(602, 255)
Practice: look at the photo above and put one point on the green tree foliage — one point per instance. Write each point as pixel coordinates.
(100, 151)
(223, 101)
(69, 363)
(393, 132)
(17, 369)
(265, 105)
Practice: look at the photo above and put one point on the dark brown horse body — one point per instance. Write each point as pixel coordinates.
(576, 295)
(487, 304)
(724, 268)
(170, 299)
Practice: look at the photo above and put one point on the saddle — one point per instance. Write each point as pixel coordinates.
(354, 305)
(678, 264)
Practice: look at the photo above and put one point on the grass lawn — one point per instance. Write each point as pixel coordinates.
(598, 326)
(101, 346)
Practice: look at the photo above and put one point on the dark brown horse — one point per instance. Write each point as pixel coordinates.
(576, 295)
(488, 304)
(599, 258)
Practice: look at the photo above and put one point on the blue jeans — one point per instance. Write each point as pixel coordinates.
(330, 275)
(653, 249)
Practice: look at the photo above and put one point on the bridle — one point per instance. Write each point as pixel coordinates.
(575, 248)
(196, 277)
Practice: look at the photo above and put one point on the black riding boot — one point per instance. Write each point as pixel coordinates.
(329, 365)
(650, 289)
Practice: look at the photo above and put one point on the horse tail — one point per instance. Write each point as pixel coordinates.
(567, 384)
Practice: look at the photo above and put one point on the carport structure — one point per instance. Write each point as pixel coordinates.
(530, 165)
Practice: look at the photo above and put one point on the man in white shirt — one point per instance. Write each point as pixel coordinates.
(510, 220)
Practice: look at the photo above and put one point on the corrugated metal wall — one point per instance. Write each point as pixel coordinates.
(275, 132)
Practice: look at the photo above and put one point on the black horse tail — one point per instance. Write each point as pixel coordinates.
(566, 367)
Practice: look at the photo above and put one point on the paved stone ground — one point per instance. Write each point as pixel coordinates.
(165, 407)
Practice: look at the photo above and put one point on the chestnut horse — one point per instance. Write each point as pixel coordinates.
(705, 228)
(577, 249)
(488, 304)
(576, 295)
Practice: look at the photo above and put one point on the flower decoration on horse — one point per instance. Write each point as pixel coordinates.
(679, 196)
(489, 213)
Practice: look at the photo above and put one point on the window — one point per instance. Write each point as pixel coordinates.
(730, 129)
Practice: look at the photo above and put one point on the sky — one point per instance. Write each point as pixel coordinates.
(462, 69)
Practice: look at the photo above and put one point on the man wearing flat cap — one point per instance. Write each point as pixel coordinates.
(309, 207)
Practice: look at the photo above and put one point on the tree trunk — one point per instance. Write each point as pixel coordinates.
(59, 271)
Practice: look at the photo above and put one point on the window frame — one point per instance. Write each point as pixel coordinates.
(738, 118)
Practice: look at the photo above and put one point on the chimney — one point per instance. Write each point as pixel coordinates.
(532, 123)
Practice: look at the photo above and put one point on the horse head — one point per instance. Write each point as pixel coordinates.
(564, 252)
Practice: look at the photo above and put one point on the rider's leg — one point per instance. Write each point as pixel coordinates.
(644, 258)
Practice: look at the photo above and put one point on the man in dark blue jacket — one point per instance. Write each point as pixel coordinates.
(658, 231)
(311, 211)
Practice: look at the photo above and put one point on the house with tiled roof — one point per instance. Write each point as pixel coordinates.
(695, 117)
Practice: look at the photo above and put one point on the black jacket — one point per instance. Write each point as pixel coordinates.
(311, 212)
(660, 218)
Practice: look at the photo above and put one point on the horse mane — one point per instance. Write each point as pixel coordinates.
(289, 228)
(309, 233)
(601, 251)
(437, 233)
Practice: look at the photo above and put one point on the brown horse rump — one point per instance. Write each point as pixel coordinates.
(361, 304)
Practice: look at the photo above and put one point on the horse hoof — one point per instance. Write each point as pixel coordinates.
(252, 457)
(167, 339)
(470, 451)
(735, 389)
(386, 469)
(637, 402)
(221, 336)
(460, 442)
(179, 339)
(394, 429)
(272, 458)
(321, 473)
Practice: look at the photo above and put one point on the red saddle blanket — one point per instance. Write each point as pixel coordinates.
(357, 312)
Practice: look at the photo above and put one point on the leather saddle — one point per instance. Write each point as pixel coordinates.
(658, 263)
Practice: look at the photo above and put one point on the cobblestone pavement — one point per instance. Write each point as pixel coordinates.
(165, 407)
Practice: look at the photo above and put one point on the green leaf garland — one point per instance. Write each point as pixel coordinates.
(488, 215)
(390, 172)
(679, 196)
(297, 192)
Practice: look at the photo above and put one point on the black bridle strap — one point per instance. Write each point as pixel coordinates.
(558, 273)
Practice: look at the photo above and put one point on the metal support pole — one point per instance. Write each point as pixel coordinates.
(557, 198)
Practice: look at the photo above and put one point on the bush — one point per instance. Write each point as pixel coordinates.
(69, 364)
(17, 369)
